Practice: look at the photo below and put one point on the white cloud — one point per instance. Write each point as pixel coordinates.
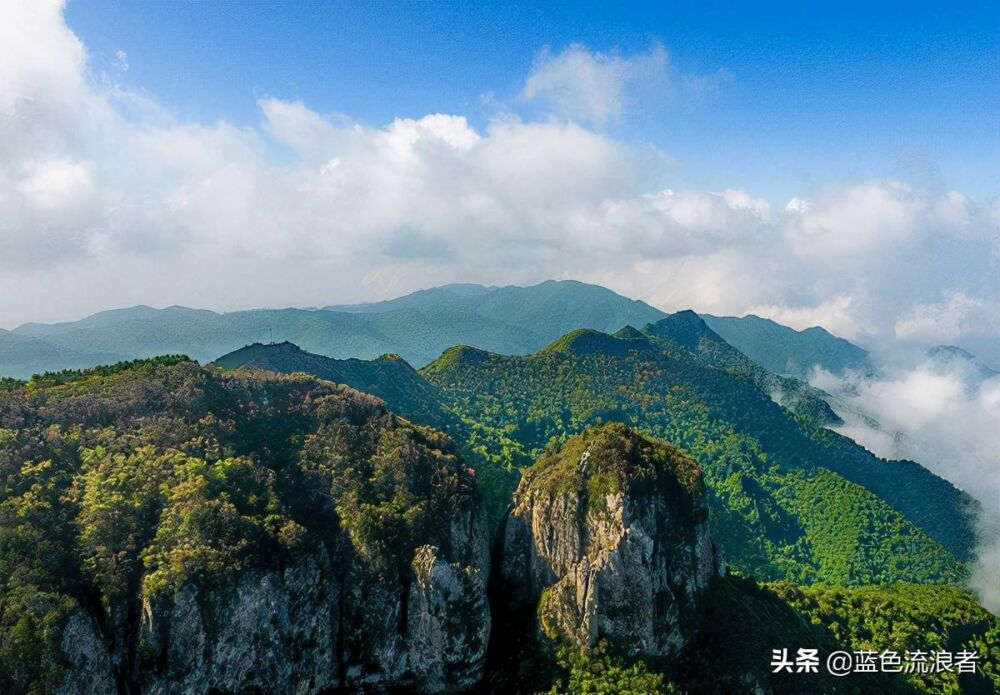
(43, 59)
(726, 213)
(949, 421)
(355, 211)
(943, 322)
(834, 315)
(589, 85)
(595, 87)
(799, 205)
(856, 219)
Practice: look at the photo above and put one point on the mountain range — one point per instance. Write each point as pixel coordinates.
(784, 350)
(419, 326)
(643, 509)
(172, 528)
(790, 498)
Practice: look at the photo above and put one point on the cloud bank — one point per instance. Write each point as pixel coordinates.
(945, 415)
(106, 199)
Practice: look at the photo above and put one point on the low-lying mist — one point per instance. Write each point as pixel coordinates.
(945, 416)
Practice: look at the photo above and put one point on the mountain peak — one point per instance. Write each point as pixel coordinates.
(587, 341)
(950, 351)
(947, 357)
(614, 449)
(457, 357)
(686, 328)
(629, 333)
(259, 355)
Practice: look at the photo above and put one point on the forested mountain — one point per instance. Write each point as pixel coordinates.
(419, 326)
(309, 539)
(389, 377)
(166, 527)
(170, 528)
(784, 350)
(548, 309)
(513, 320)
(791, 498)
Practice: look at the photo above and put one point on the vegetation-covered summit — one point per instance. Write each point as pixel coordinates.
(120, 487)
(389, 377)
(613, 459)
(790, 498)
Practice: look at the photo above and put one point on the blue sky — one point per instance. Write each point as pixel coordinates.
(817, 93)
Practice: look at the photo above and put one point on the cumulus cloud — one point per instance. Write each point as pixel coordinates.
(106, 199)
(590, 85)
(595, 87)
(855, 220)
(945, 416)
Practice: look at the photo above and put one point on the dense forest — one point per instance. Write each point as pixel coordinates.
(791, 499)
(254, 526)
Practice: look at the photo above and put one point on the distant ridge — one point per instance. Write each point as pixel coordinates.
(784, 350)
(418, 326)
(507, 320)
(949, 357)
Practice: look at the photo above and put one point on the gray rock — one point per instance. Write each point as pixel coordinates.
(89, 670)
(628, 566)
(277, 631)
(273, 632)
(428, 631)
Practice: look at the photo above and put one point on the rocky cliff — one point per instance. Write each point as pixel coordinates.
(166, 528)
(609, 541)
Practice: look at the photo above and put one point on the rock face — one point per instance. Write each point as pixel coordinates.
(90, 664)
(271, 632)
(609, 540)
(426, 628)
(308, 630)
